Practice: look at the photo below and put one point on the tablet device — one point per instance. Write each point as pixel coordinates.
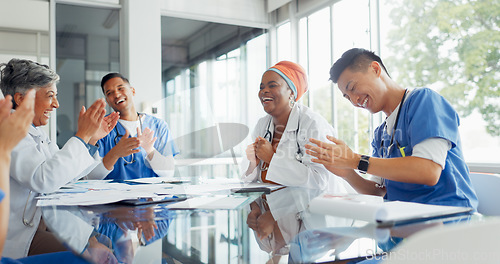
(145, 201)
(251, 189)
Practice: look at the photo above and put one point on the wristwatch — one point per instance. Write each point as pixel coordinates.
(363, 163)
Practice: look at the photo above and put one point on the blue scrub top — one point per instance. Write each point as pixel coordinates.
(164, 144)
(426, 114)
(2, 194)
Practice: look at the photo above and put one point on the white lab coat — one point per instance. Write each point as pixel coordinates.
(70, 226)
(284, 168)
(39, 166)
(289, 208)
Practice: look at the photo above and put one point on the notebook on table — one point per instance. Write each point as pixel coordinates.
(373, 209)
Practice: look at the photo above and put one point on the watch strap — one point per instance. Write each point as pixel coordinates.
(363, 164)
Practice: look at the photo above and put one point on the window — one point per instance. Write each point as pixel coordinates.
(284, 42)
(219, 85)
(453, 48)
(315, 56)
(351, 28)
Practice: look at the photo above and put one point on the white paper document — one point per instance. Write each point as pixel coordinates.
(94, 192)
(373, 209)
(100, 192)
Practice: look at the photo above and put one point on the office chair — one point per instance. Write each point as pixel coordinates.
(487, 188)
(473, 242)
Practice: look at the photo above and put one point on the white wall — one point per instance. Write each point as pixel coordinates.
(24, 28)
(140, 47)
(250, 13)
(275, 4)
(24, 14)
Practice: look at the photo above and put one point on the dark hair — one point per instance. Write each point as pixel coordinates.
(356, 60)
(20, 76)
(110, 76)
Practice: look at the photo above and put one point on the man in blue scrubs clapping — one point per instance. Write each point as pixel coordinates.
(417, 155)
(140, 145)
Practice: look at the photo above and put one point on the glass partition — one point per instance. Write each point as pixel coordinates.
(210, 90)
(87, 48)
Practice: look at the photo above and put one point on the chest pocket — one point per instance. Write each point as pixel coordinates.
(402, 148)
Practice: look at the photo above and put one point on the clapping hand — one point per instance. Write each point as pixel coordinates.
(90, 120)
(125, 147)
(333, 156)
(147, 140)
(251, 156)
(14, 127)
(263, 149)
(107, 124)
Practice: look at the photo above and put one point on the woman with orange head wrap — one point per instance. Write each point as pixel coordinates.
(278, 153)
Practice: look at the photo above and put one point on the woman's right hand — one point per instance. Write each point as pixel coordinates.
(125, 147)
(263, 149)
(90, 120)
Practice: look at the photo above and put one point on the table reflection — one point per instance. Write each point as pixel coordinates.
(109, 234)
(360, 241)
(278, 217)
(275, 227)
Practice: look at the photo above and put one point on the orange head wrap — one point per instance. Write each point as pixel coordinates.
(294, 75)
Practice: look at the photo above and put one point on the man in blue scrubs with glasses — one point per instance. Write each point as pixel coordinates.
(140, 145)
(417, 155)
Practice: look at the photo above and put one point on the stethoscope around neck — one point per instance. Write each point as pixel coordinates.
(391, 143)
(118, 136)
(269, 136)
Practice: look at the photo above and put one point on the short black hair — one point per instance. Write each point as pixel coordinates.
(355, 59)
(110, 76)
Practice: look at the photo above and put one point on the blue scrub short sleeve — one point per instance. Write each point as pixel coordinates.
(429, 115)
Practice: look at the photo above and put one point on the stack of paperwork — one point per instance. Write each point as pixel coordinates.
(213, 194)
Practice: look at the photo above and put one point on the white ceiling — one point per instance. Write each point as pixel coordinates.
(178, 35)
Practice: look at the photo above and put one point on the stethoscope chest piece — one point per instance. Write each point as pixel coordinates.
(299, 156)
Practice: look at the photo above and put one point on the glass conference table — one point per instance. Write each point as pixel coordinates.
(273, 227)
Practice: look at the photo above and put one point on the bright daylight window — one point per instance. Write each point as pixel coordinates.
(351, 28)
(452, 47)
(284, 46)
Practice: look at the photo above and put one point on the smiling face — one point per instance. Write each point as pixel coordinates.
(45, 103)
(274, 94)
(363, 89)
(119, 95)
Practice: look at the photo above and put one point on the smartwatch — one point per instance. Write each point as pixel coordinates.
(363, 163)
